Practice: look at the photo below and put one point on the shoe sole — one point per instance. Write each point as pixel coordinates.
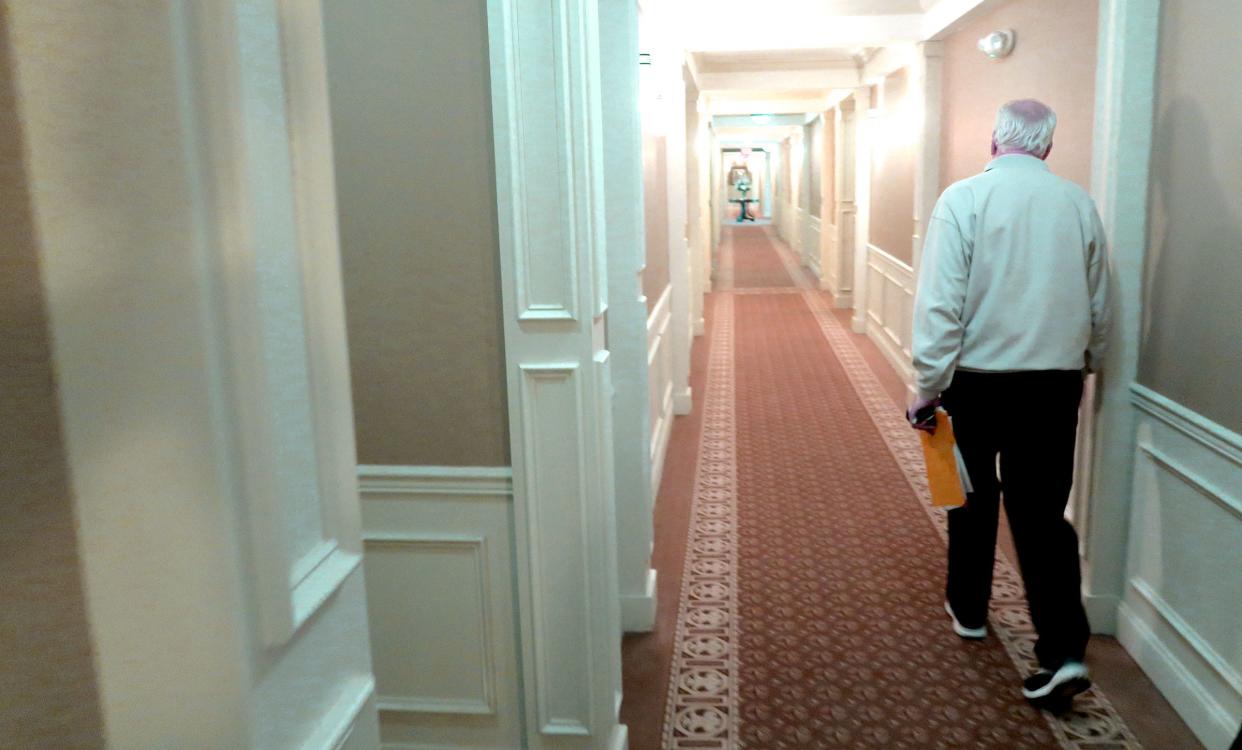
(963, 632)
(1062, 692)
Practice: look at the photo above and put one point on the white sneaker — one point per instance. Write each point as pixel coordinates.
(1070, 680)
(973, 634)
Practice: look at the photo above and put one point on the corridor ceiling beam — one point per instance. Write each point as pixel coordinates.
(774, 104)
(779, 80)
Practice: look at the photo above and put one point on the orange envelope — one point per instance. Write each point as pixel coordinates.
(943, 479)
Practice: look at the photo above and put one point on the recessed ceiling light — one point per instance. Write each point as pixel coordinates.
(761, 119)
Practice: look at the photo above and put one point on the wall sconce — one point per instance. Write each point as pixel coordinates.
(998, 44)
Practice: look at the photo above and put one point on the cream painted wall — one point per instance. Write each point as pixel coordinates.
(412, 133)
(655, 216)
(1191, 351)
(892, 171)
(47, 678)
(1054, 61)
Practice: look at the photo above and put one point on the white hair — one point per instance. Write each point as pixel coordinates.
(1025, 125)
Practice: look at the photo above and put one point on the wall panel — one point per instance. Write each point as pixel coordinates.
(440, 595)
(1183, 600)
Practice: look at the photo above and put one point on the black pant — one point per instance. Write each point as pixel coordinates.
(1029, 419)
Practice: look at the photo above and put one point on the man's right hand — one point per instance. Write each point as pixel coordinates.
(922, 415)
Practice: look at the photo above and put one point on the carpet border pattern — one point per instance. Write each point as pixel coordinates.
(702, 712)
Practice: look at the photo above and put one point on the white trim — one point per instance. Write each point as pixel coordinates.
(338, 722)
(478, 481)
(890, 328)
(1121, 160)
(660, 385)
(429, 704)
(1188, 634)
(1205, 715)
(629, 331)
(547, 118)
(638, 612)
(683, 401)
(1193, 479)
(862, 205)
(1190, 423)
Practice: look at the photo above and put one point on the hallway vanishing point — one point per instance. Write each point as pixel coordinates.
(804, 603)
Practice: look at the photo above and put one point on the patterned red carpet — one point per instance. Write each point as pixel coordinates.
(810, 612)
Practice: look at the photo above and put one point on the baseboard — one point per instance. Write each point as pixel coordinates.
(683, 401)
(859, 324)
(661, 432)
(1209, 720)
(638, 611)
(620, 739)
(843, 300)
(1102, 613)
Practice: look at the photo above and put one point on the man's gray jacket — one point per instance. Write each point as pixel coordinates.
(1014, 277)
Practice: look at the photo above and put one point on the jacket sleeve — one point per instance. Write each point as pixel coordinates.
(939, 301)
(1098, 281)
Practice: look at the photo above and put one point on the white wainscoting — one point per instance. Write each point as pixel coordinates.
(439, 575)
(1181, 613)
(784, 221)
(660, 383)
(811, 229)
(798, 215)
(890, 307)
(829, 264)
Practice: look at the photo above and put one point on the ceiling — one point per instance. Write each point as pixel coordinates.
(780, 59)
(798, 56)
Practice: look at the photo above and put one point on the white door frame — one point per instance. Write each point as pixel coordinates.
(627, 313)
(548, 129)
(199, 338)
(1124, 112)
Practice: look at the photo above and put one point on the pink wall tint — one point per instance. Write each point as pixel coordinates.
(892, 172)
(1053, 61)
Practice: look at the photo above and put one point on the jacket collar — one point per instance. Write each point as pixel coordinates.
(1022, 161)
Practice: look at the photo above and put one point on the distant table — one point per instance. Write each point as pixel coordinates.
(744, 215)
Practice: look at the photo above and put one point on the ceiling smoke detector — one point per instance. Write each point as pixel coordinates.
(998, 44)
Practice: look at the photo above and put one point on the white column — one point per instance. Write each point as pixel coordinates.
(700, 222)
(627, 311)
(679, 271)
(551, 209)
(926, 84)
(847, 209)
(1124, 112)
(187, 231)
(862, 199)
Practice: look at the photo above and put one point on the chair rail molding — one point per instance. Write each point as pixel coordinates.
(547, 118)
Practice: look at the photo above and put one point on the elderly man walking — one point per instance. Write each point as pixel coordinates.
(1011, 312)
